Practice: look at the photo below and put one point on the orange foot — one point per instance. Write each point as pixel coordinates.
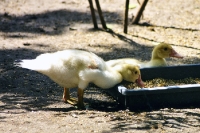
(71, 101)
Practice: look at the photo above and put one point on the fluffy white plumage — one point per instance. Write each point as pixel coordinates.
(77, 68)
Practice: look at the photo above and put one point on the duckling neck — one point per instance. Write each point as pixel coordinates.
(116, 75)
(155, 56)
(113, 77)
(110, 78)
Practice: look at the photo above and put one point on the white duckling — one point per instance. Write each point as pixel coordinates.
(77, 68)
(159, 53)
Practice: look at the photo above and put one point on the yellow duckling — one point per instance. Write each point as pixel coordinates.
(159, 53)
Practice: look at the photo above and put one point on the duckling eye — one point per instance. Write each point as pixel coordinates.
(165, 49)
(136, 72)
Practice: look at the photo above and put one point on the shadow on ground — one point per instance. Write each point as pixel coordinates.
(49, 23)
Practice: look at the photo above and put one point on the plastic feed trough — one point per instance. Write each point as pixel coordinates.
(177, 96)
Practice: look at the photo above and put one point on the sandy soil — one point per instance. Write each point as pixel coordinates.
(31, 102)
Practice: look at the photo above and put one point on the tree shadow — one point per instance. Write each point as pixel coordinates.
(165, 27)
(48, 23)
(158, 119)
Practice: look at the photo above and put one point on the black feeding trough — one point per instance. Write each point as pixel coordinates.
(160, 97)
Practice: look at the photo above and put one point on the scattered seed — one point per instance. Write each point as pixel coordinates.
(159, 82)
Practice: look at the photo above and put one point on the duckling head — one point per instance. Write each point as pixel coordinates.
(132, 73)
(164, 50)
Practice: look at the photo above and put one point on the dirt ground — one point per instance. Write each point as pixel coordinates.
(31, 102)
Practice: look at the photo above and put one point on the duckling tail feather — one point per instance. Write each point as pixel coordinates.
(17, 63)
(31, 64)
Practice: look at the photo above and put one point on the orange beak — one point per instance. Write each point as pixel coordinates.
(139, 82)
(175, 54)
